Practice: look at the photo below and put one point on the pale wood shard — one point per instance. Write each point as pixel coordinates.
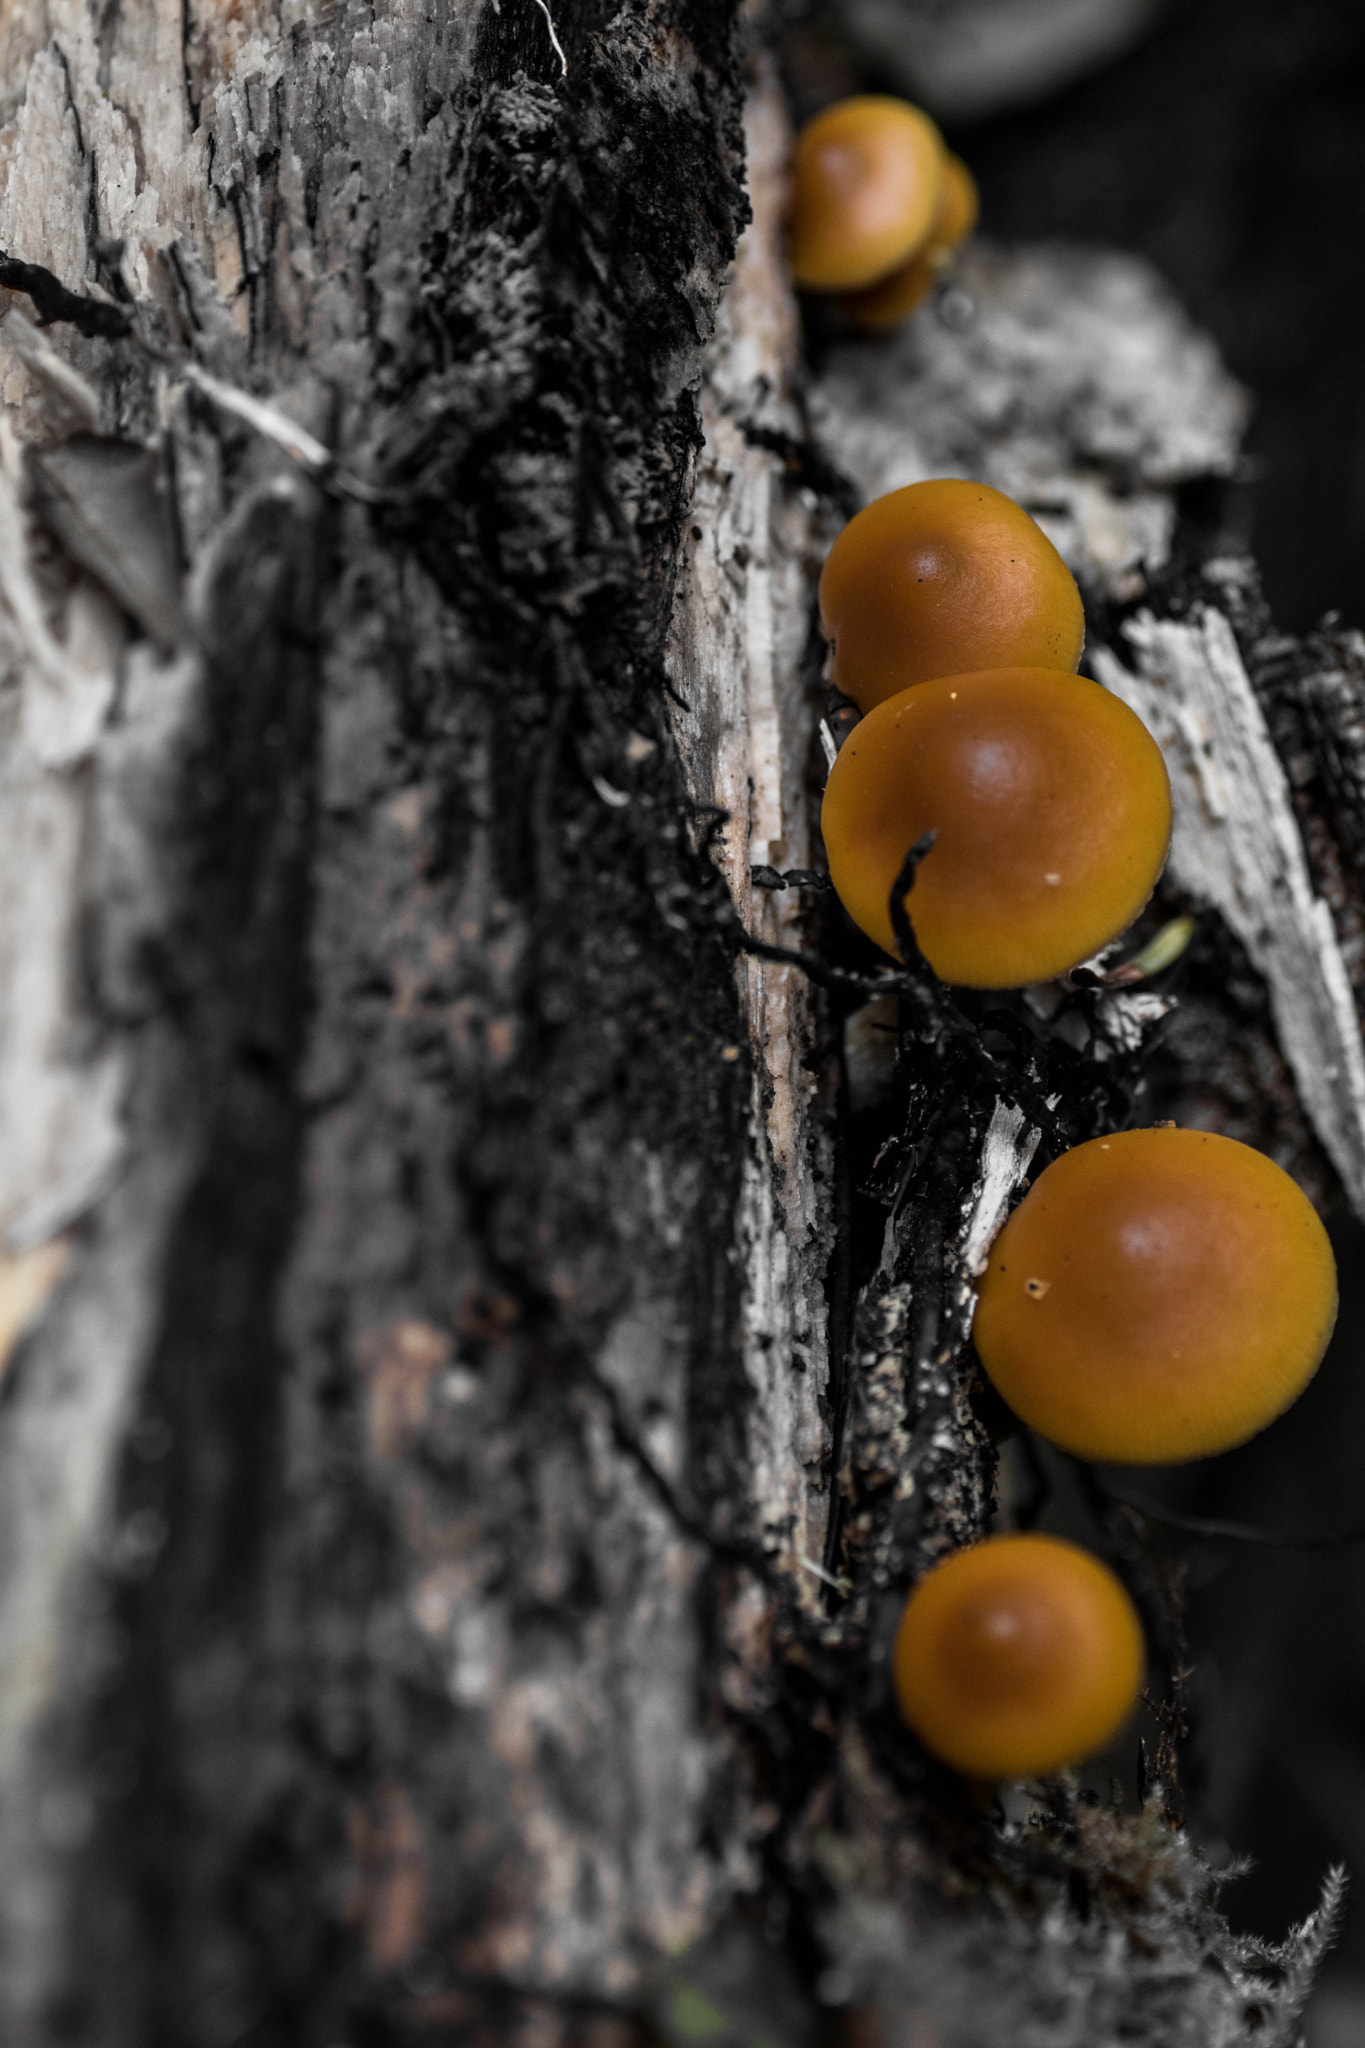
(746, 727)
(1006, 1154)
(1237, 847)
(27, 1281)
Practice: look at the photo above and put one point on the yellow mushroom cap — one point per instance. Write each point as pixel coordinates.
(940, 578)
(1157, 1296)
(887, 303)
(959, 207)
(1017, 1657)
(1052, 808)
(867, 177)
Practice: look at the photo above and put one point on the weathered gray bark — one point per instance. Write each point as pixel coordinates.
(354, 1639)
(455, 1498)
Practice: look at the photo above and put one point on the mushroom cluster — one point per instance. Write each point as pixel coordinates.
(1159, 1295)
(956, 627)
(878, 207)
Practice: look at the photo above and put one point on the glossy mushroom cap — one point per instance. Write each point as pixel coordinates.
(940, 578)
(1053, 813)
(886, 304)
(1157, 1296)
(1017, 1657)
(867, 177)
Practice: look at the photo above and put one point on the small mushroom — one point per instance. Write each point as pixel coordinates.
(941, 578)
(867, 179)
(886, 304)
(1052, 811)
(1191, 1291)
(1016, 1657)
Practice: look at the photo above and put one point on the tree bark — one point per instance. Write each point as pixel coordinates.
(486, 1401)
(355, 1476)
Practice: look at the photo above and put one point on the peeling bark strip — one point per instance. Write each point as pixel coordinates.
(1236, 847)
(746, 726)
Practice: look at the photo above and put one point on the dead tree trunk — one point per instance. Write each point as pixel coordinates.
(368, 1030)
(454, 1495)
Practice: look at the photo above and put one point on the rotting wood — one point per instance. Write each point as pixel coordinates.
(1072, 381)
(386, 1570)
(1035, 371)
(746, 727)
(417, 1607)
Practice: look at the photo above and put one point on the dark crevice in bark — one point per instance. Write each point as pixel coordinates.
(202, 1475)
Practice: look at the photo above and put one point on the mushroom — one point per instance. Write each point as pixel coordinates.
(867, 178)
(1016, 1657)
(886, 304)
(1052, 811)
(941, 578)
(1157, 1296)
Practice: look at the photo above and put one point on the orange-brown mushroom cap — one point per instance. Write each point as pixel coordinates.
(1017, 1657)
(1053, 813)
(888, 302)
(940, 578)
(867, 178)
(959, 206)
(1157, 1296)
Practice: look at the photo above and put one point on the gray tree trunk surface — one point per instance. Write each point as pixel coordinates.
(460, 1463)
